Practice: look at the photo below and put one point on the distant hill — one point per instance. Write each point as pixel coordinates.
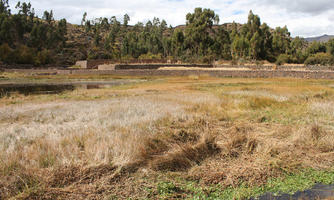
(323, 38)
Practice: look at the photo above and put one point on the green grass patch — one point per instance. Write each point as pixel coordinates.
(289, 184)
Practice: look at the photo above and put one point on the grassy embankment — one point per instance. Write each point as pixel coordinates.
(190, 137)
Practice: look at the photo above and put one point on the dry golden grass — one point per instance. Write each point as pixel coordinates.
(226, 131)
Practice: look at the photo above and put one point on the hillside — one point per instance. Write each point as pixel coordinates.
(28, 40)
(323, 38)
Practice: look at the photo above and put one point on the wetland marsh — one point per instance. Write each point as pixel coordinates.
(193, 137)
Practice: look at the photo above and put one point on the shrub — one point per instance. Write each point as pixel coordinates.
(43, 57)
(127, 58)
(25, 55)
(282, 59)
(330, 47)
(206, 59)
(299, 57)
(242, 61)
(95, 53)
(5, 53)
(150, 56)
(234, 61)
(319, 59)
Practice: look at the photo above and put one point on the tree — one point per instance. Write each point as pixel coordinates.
(88, 26)
(216, 19)
(105, 23)
(126, 20)
(298, 50)
(316, 47)
(97, 36)
(177, 42)
(330, 47)
(253, 25)
(222, 44)
(25, 9)
(252, 33)
(255, 45)
(5, 27)
(83, 21)
(48, 16)
(19, 24)
(4, 7)
(281, 40)
(198, 26)
(62, 31)
(163, 26)
(38, 36)
(266, 51)
(240, 47)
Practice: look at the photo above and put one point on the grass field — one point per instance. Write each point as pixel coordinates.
(167, 138)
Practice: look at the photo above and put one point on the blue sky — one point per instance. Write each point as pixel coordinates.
(303, 17)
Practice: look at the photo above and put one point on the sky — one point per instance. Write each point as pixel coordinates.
(305, 18)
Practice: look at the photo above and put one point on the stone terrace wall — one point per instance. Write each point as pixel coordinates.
(225, 73)
(213, 73)
(93, 64)
(229, 73)
(283, 67)
(157, 66)
(83, 64)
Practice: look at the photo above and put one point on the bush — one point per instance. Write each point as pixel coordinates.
(94, 54)
(6, 53)
(299, 57)
(150, 56)
(320, 59)
(24, 55)
(234, 61)
(43, 57)
(282, 59)
(127, 58)
(206, 59)
(242, 61)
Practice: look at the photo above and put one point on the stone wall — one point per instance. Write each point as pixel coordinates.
(213, 73)
(82, 63)
(278, 67)
(93, 64)
(106, 67)
(157, 66)
(225, 73)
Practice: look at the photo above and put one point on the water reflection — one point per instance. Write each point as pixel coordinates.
(33, 89)
(7, 90)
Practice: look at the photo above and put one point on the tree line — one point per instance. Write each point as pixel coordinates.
(203, 40)
(26, 38)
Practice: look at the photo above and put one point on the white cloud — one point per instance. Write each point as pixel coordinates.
(303, 17)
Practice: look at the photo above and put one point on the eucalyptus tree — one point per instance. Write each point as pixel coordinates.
(198, 28)
(126, 20)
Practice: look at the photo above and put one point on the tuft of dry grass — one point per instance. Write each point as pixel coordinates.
(184, 157)
(255, 103)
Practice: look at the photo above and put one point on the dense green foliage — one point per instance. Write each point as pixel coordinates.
(202, 40)
(25, 38)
